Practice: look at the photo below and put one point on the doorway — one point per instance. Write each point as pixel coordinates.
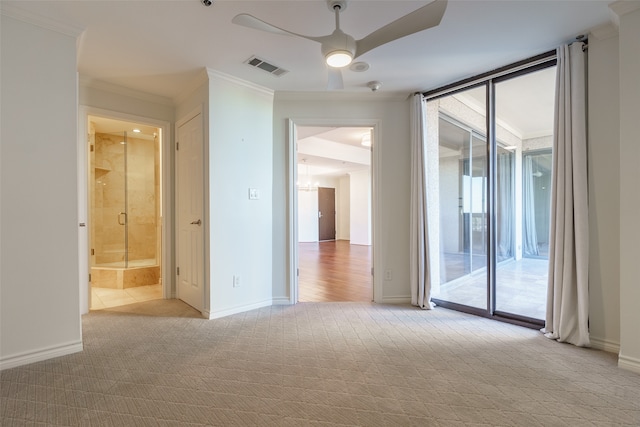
(334, 213)
(125, 211)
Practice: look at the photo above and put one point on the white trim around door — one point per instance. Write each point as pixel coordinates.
(292, 199)
(83, 198)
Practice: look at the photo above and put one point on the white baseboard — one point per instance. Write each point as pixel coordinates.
(604, 344)
(281, 301)
(396, 300)
(238, 309)
(40, 355)
(629, 363)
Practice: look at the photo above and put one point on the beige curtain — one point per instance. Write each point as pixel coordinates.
(420, 277)
(567, 318)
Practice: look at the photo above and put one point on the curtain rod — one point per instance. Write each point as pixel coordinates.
(498, 72)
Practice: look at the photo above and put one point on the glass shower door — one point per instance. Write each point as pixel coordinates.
(109, 200)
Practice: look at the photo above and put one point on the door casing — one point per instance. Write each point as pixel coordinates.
(83, 199)
(292, 200)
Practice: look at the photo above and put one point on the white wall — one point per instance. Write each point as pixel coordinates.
(604, 194)
(307, 216)
(360, 208)
(239, 158)
(115, 98)
(308, 224)
(39, 306)
(343, 221)
(449, 201)
(629, 34)
(392, 205)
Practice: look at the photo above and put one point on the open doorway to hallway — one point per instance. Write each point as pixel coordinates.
(334, 214)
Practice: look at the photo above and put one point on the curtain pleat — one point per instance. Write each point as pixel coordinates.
(567, 318)
(420, 278)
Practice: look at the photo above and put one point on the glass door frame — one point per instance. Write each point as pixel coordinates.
(489, 80)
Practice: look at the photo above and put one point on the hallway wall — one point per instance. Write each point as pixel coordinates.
(39, 307)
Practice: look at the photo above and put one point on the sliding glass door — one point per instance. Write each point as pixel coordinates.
(463, 168)
(493, 142)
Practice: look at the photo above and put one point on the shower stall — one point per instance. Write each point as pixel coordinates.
(125, 211)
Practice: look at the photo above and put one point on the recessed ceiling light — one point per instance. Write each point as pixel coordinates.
(136, 131)
(359, 67)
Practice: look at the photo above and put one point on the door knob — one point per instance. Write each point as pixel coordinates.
(198, 222)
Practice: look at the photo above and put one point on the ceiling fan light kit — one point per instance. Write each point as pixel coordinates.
(339, 58)
(340, 49)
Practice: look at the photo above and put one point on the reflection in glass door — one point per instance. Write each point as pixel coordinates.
(521, 274)
(463, 171)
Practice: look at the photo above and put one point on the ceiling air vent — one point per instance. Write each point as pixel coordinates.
(264, 65)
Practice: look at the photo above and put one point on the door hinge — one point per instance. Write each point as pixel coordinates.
(91, 148)
(93, 251)
(372, 271)
(89, 277)
(298, 272)
(177, 146)
(178, 271)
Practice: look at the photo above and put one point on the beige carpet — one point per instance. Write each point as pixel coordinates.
(319, 364)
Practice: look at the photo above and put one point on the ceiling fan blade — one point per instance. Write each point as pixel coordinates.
(251, 21)
(427, 16)
(335, 79)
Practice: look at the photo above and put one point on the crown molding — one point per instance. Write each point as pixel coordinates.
(604, 31)
(16, 12)
(622, 7)
(220, 75)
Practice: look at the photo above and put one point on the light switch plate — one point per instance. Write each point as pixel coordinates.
(254, 194)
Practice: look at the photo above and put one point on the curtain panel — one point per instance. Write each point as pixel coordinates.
(420, 271)
(567, 317)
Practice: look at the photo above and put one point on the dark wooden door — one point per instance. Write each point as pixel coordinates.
(326, 213)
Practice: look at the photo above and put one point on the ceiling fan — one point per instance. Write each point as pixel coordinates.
(340, 49)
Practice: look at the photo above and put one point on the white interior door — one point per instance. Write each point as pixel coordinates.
(189, 197)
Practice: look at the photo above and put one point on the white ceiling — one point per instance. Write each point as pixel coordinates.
(160, 46)
(318, 154)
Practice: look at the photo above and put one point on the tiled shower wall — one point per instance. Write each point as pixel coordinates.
(109, 198)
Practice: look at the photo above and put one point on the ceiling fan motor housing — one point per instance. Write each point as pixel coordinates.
(338, 41)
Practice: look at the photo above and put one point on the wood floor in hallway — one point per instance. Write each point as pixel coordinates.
(334, 271)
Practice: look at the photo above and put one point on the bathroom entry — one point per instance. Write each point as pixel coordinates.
(125, 212)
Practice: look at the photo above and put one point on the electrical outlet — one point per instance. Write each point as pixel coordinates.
(388, 274)
(236, 281)
(254, 194)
